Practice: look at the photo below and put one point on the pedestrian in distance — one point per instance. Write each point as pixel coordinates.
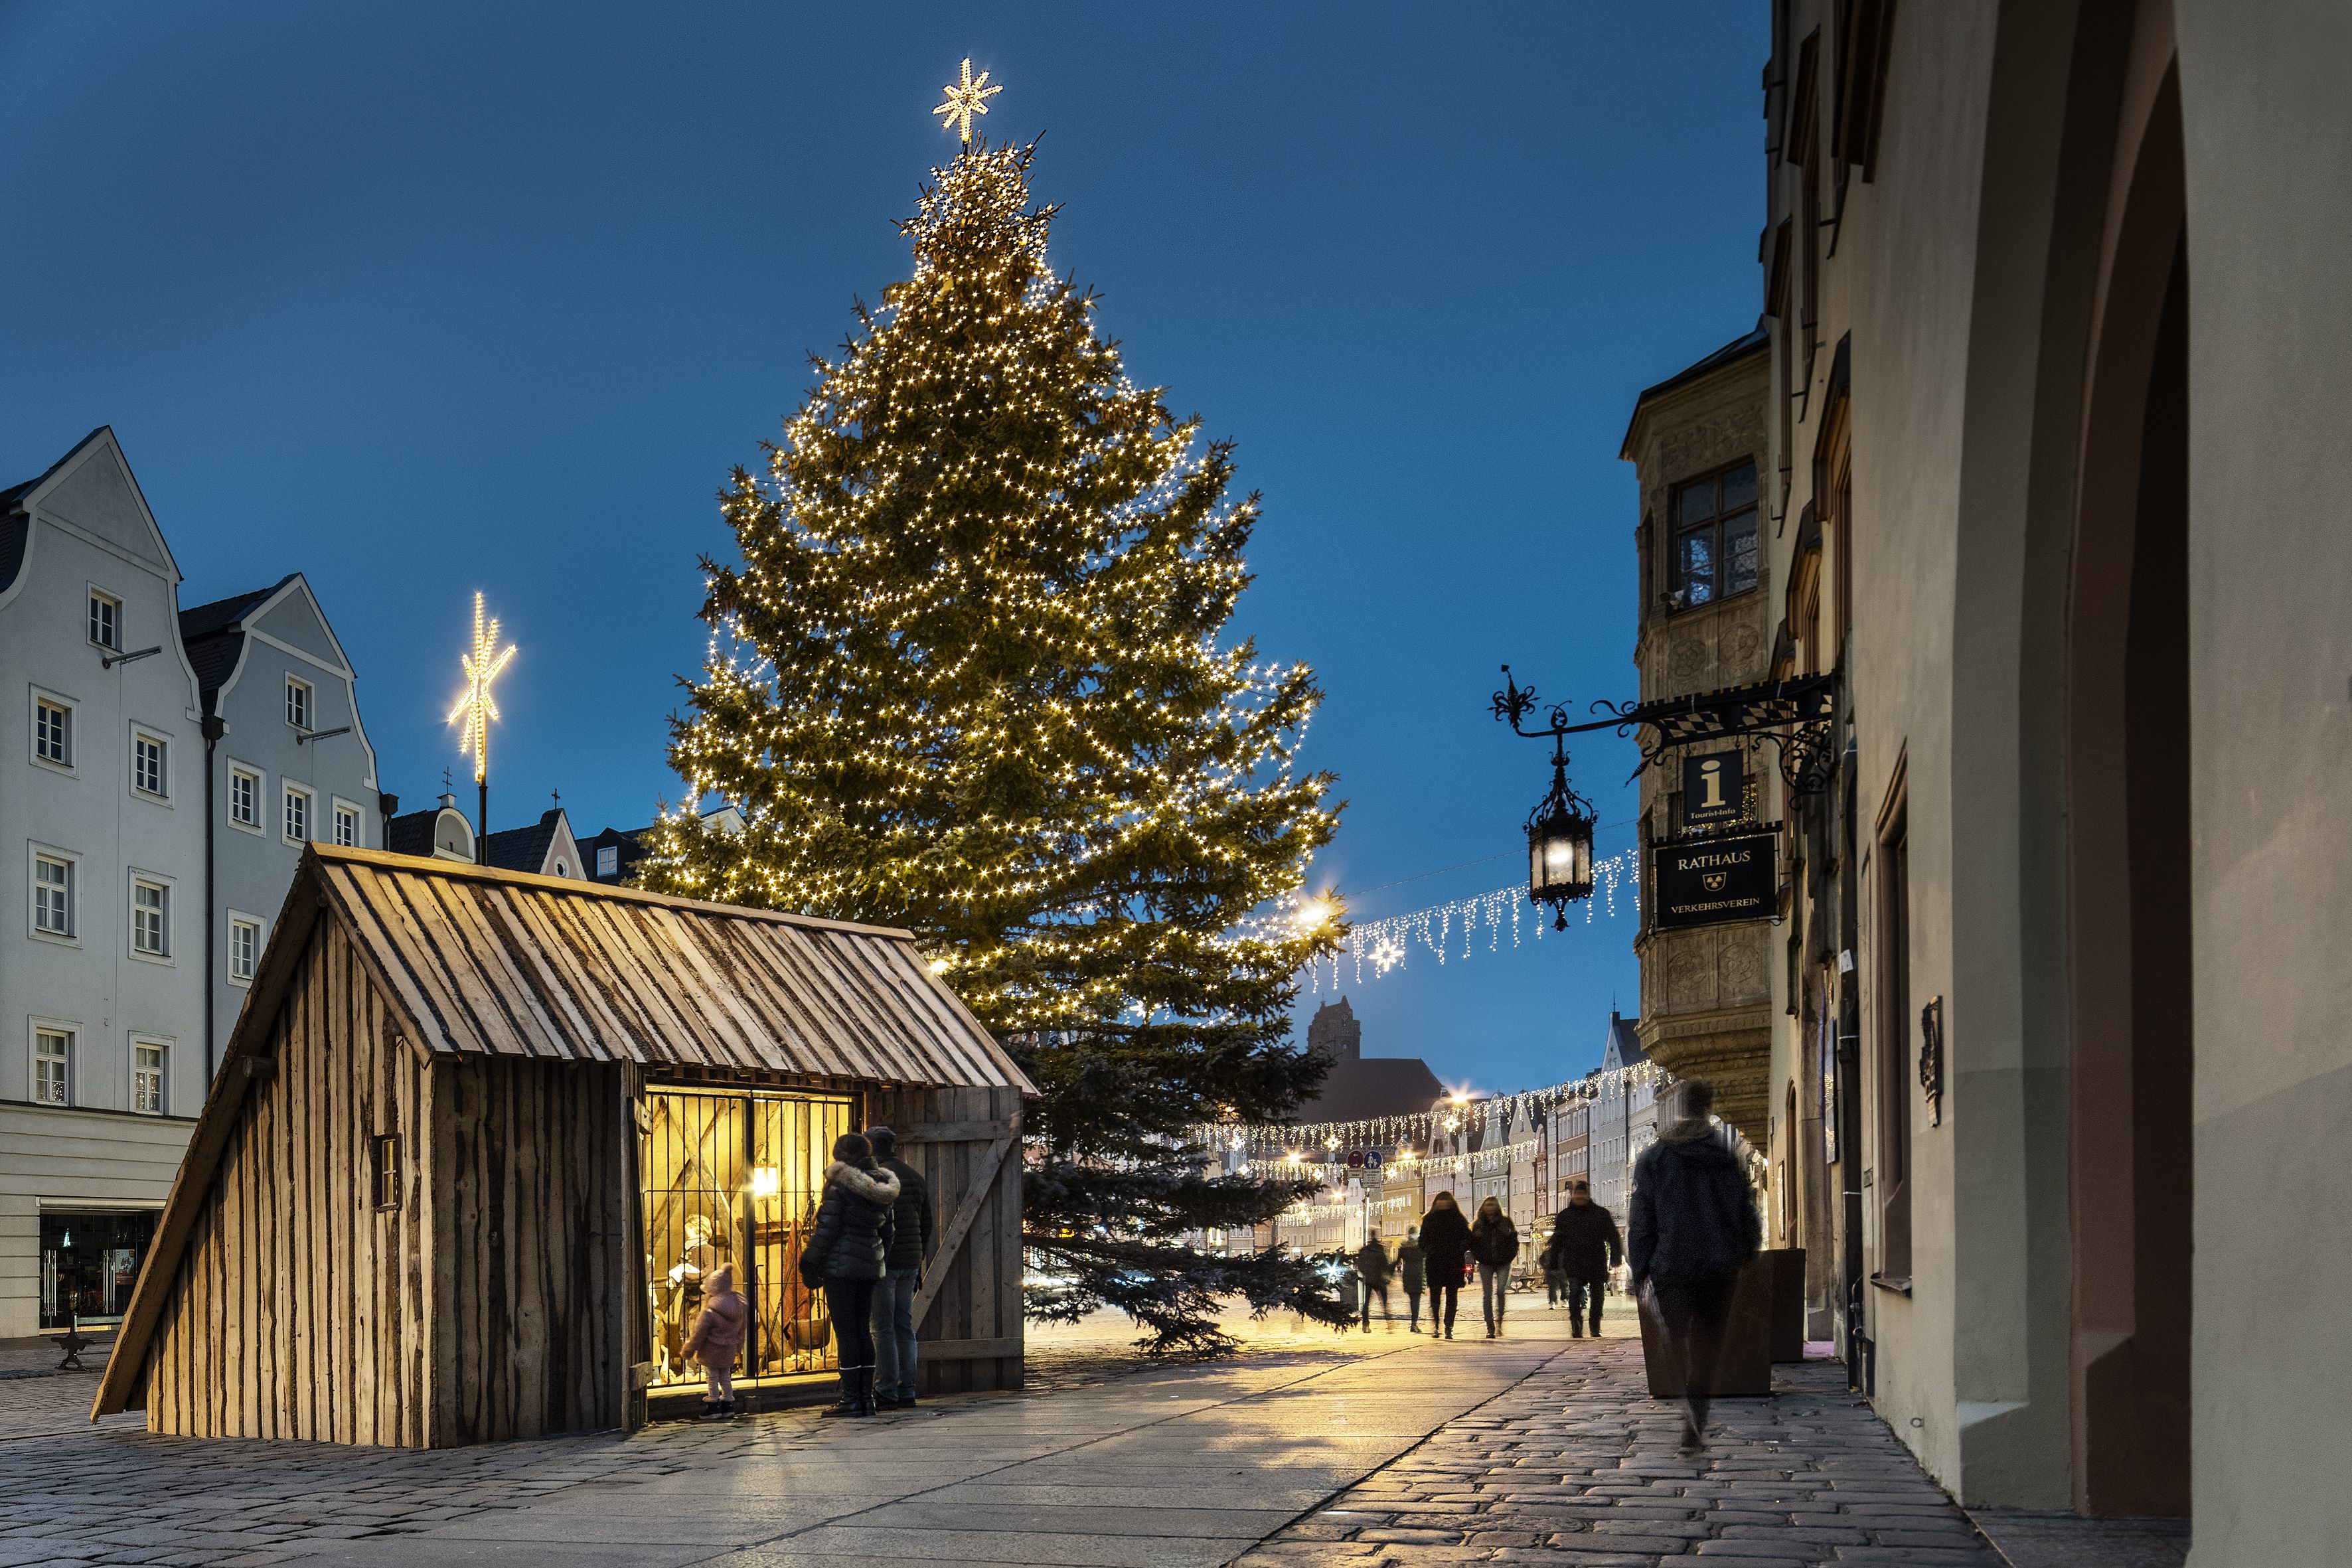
(847, 1255)
(1372, 1279)
(1555, 1283)
(716, 1339)
(894, 1296)
(1584, 1246)
(1446, 1245)
(1412, 1267)
(1494, 1243)
(1693, 1226)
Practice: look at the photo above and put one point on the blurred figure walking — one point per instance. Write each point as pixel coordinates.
(1584, 1246)
(1372, 1279)
(1445, 1244)
(1494, 1243)
(1693, 1226)
(1412, 1264)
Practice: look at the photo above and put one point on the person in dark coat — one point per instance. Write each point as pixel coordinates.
(1494, 1243)
(1412, 1267)
(847, 1255)
(1372, 1277)
(1693, 1226)
(1445, 1244)
(894, 1298)
(1584, 1246)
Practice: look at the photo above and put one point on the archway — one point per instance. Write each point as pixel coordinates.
(2128, 795)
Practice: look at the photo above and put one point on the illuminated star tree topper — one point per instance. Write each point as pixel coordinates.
(475, 708)
(964, 101)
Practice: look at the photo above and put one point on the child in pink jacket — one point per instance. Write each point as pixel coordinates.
(717, 1339)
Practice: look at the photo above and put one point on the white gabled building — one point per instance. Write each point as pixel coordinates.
(122, 949)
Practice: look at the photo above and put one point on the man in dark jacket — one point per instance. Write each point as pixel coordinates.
(1584, 1248)
(894, 1298)
(1693, 1226)
(1412, 1266)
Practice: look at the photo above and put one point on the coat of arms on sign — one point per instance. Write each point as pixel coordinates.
(1716, 879)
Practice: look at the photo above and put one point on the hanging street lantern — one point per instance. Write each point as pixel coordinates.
(1559, 829)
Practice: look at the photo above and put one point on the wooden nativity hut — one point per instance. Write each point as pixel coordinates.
(478, 1135)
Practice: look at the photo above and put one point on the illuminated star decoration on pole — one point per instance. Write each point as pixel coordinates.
(481, 666)
(965, 101)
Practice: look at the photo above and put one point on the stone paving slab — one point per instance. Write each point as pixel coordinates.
(1576, 1467)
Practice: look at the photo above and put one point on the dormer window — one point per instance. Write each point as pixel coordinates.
(105, 620)
(297, 703)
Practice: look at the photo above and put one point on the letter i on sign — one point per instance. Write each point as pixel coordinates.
(1710, 772)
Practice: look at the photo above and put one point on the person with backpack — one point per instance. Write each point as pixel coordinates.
(847, 1257)
(894, 1297)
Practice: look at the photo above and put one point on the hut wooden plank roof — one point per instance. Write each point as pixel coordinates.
(488, 964)
(509, 964)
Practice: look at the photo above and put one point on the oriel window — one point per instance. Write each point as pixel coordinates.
(1711, 550)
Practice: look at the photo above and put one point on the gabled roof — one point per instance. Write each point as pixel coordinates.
(213, 634)
(1625, 1039)
(475, 961)
(525, 849)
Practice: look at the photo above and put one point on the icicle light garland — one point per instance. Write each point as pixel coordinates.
(1456, 929)
(1322, 1143)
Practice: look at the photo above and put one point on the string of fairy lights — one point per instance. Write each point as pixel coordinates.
(1458, 927)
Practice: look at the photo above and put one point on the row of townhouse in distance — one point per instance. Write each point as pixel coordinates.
(2029, 480)
(171, 767)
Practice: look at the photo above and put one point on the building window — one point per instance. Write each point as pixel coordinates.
(297, 703)
(52, 1058)
(244, 798)
(560, 869)
(383, 1175)
(53, 732)
(1713, 553)
(150, 910)
(608, 859)
(147, 1079)
(347, 827)
(147, 765)
(105, 620)
(1896, 1085)
(52, 896)
(298, 816)
(243, 947)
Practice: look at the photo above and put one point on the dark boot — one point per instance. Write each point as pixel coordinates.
(866, 1406)
(847, 1404)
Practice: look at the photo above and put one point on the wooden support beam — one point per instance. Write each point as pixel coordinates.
(935, 1268)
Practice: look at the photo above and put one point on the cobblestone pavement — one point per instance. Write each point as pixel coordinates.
(1576, 1467)
(1307, 1448)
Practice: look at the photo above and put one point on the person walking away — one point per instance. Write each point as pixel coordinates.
(1445, 1248)
(846, 1256)
(1693, 1227)
(716, 1339)
(1494, 1243)
(1410, 1266)
(1584, 1248)
(1555, 1283)
(1372, 1279)
(894, 1297)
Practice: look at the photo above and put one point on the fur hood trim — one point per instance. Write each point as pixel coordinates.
(875, 1186)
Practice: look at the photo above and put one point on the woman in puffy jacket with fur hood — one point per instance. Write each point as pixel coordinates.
(845, 1254)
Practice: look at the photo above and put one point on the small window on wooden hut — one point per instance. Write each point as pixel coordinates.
(385, 1171)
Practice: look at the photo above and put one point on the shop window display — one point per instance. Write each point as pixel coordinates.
(89, 1261)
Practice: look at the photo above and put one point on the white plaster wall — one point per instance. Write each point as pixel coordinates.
(2268, 135)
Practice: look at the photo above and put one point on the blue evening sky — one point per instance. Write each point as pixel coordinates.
(423, 298)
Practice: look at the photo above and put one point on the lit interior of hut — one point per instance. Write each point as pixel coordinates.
(734, 1178)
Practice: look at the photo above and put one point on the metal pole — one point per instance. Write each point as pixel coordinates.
(482, 838)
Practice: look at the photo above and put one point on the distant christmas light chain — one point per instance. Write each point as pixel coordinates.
(1453, 929)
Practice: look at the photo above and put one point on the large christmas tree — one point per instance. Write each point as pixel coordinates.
(970, 678)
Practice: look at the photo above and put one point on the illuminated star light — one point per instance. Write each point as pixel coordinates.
(481, 668)
(965, 101)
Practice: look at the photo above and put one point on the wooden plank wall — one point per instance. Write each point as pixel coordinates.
(298, 1310)
(977, 1308)
(532, 1249)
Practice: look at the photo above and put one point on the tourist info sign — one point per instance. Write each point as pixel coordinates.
(1713, 880)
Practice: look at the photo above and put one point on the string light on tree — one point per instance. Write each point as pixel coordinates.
(476, 708)
(971, 676)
